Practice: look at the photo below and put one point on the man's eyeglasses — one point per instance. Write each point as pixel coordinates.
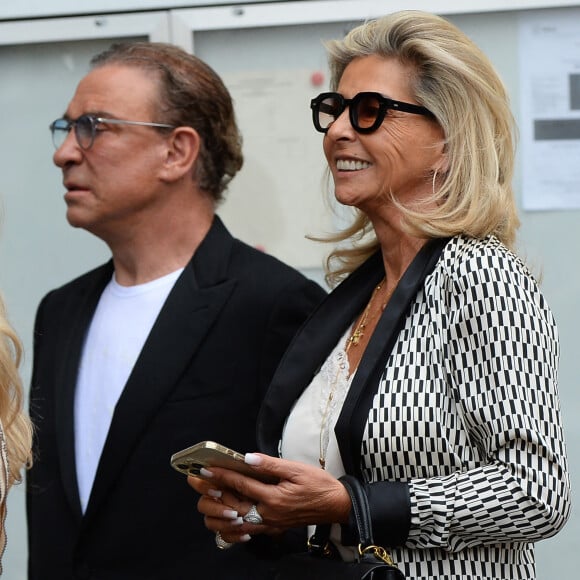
(367, 110)
(86, 128)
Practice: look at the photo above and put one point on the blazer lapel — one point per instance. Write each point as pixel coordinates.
(187, 315)
(66, 378)
(353, 417)
(319, 336)
(311, 346)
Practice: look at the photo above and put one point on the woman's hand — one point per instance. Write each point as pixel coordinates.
(224, 510)
(304, 495)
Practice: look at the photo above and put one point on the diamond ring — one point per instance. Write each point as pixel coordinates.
(221, 543)
(253, 517)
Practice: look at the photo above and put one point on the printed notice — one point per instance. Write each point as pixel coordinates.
(549, 67)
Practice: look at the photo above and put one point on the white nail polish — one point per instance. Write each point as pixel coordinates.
(231, 514)
(245, 538)
(252, 459)
(205, 472)
(238, 521)
(214, 493)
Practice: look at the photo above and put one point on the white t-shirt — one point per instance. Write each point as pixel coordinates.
(121, 324)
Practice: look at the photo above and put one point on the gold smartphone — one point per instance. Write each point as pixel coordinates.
(210, 454)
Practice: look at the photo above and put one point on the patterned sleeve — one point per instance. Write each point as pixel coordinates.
(500, 345)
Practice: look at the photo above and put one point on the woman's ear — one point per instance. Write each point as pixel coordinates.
(441, 164)
(181, 153)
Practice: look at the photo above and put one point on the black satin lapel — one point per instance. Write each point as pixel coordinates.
(354, 414)
(184, 321)
(66, 379)
(310, 348)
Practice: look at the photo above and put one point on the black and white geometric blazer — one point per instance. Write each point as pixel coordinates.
(457, 431)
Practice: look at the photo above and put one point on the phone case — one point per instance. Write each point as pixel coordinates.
(207, 454)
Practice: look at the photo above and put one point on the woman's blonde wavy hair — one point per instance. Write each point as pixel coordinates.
(14, 422)
(459, 85)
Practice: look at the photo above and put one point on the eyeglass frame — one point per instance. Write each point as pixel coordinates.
(385, 104)
(94, 120)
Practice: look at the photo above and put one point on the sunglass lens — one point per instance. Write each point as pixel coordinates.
(329, 109)
(367, 110)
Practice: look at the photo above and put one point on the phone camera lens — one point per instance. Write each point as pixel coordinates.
(194, 468)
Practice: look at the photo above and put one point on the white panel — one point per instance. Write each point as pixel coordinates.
(289, 13)
(277, 198)
(35, 8)
(153, 25)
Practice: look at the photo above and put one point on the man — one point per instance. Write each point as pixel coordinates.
(172, 342)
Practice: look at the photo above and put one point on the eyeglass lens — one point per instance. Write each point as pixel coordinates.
(365, 111)
(84, 128)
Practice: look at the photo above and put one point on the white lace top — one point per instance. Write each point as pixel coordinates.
(309, 428)
(310, 425)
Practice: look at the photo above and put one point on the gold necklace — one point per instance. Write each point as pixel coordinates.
(360, 329)
(353, 340)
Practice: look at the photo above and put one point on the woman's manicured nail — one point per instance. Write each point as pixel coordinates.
(214, 493)
(230, 514)
(238, 521)
(245, 538)
(252, 459)
(205, 472)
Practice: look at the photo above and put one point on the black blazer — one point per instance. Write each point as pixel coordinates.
(201, 375)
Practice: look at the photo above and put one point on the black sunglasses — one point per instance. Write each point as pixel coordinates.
(367, 110)
(86, 129)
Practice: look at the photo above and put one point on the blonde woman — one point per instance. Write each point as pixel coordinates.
(15, 427)
(431, 371)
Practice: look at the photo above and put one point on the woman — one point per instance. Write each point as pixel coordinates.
(430, 372)
(15, 428)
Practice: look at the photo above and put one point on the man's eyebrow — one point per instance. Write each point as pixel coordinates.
(93, 113)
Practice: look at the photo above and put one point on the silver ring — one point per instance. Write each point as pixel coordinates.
(221, 543)
(253, 517)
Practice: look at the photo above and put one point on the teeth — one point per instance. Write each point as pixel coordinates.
(351, 165)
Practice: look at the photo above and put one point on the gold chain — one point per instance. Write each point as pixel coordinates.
(360, 329)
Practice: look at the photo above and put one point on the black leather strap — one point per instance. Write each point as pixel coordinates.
(360, 509)
(361, 515)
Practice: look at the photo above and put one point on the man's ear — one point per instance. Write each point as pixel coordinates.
(181, 153)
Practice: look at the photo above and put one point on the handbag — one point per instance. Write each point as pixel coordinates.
(322, 561)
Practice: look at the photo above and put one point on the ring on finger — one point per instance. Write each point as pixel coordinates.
(221, 543)
(253, 516)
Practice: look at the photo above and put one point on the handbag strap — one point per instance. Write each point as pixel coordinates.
(319, 541)
(360, 509)
(369, 553)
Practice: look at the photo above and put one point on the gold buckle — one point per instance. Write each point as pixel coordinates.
(378, 552)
